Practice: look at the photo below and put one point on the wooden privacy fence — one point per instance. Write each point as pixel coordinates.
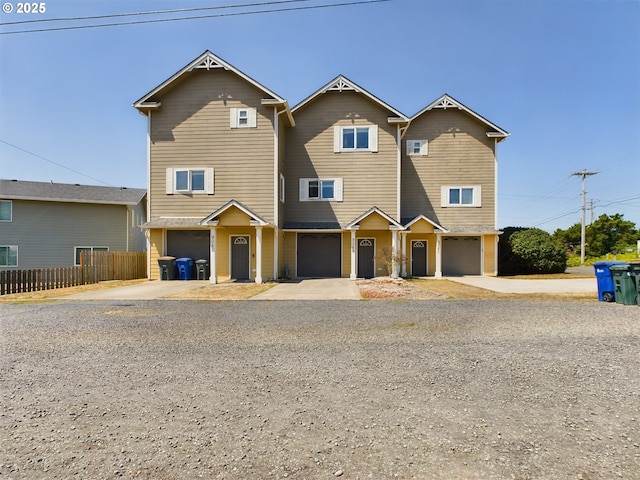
(94, 267)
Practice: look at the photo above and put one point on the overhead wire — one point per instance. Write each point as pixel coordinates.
(198, 17)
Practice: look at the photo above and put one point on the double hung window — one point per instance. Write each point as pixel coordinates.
(356, 138)
(190, 180)
(467, 196)
(8, 256)
(6, 208)
(314, 189)
(243, 118)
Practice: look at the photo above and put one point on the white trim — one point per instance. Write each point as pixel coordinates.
(303, 194)
(398, 173)
(10, 211)
(423, 149)
(445, 195)
(375, 265)
(258, 276)
(231, 250)
(213, 264)
(338, 136)
(426, 250)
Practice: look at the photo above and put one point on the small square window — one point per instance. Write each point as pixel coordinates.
(417, 147)
(243, 118)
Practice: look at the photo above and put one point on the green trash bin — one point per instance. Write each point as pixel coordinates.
(624, 280)
(634, 267)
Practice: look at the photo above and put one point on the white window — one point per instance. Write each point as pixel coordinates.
(282, 188)
(8, 256)
(323, 189)
(79, 250)
(467, 196)
(6, 210)
(417, 147)
(355, 138)
(189, 180)
(243, 118)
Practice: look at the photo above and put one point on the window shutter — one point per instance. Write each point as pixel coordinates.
(208, 180)
(409, 147)
(169, 181)
(424, 148)
(477, 196)
(234, 118)
(252, 120)
(304, 189)
(373, 138)
(337, 139)
(444, 196)
(337, 185)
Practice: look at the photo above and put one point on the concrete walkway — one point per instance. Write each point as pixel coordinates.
(313, 289)
(511, 285)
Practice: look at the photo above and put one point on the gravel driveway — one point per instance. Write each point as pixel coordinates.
(318, 390)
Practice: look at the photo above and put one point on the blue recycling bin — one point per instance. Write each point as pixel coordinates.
(185, 268)
(604, 277)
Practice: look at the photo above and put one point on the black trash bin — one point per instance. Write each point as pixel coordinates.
(604, 277)
(168, 268)
(185, 268)
(202, 267)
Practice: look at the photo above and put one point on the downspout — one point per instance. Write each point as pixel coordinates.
(398, 172)
(148, 232)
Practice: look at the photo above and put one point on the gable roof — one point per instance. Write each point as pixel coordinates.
(206, 61)
(343, 84)
(426, 219)
(393, 225)
(255, 218)
(74, 193)
(446, 101)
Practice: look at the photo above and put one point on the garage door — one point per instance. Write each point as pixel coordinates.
(318, 255)
(461, 256)
(188, 243)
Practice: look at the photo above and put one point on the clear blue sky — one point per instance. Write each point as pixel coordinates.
(562, 76)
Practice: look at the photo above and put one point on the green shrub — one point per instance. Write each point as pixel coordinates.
(538, 252)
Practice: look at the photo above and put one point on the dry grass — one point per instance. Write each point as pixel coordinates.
(225, 291)
(55, 294)
(458, 291)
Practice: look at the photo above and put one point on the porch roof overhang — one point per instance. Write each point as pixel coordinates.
(426, 219)
(462, 230)
(174, 223)
(255, 219)
(354, 224)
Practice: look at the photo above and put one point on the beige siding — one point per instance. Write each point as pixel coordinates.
(156, 250)
(223, 251)
(192, 129)
(460, 154)
(368, 178)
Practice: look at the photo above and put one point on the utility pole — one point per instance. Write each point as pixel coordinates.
(584, 174)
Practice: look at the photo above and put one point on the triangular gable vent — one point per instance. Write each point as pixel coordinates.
(341, 85)
(445, 103)
(208, 63)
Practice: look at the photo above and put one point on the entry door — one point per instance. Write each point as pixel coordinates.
(240, 258)
(419, 258)
(365, 258)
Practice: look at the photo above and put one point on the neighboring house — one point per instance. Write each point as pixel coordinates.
(262, 190)
(48, 225)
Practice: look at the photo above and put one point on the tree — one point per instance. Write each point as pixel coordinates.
(538, 251)
(604, 235)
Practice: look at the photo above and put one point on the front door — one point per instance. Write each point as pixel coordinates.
(366, 265)
(419, 258)
(240, 258)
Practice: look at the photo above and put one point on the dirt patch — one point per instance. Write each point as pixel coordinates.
(225, 291)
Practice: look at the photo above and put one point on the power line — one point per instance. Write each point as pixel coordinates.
(199, 17)
(153, 12)
(55, 163)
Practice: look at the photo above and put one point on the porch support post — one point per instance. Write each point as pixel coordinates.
(259, 254)
(403, 253)
(438, 273)
(394, 253)
(213, 271)
(353, 274)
